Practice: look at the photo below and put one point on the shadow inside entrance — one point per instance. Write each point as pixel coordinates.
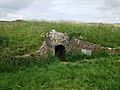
(60, 52)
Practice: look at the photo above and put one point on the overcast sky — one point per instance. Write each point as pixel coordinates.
(77, 10)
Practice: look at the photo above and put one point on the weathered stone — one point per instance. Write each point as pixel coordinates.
(87, 52)
(59, 43)
(53, 39)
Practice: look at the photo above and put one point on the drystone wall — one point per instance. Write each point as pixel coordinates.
(55, 38)
(52, 40)
(60, 43)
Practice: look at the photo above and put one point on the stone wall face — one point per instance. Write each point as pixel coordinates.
(77, 45)
(43, 51)
(53, 39)
(74, 45)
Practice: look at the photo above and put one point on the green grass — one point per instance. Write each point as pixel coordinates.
(100, 74)
(18, 38)
(97, 72)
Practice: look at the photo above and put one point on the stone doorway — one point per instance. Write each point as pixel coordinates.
(60, 52)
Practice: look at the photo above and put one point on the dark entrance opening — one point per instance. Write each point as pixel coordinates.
(60, 52)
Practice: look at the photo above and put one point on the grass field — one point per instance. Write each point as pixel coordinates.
(81, 73)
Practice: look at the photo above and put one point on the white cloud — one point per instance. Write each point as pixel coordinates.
(81, 10)
(12, 6)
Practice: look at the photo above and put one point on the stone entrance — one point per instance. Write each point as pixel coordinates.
(59, 44)
(60, 52)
